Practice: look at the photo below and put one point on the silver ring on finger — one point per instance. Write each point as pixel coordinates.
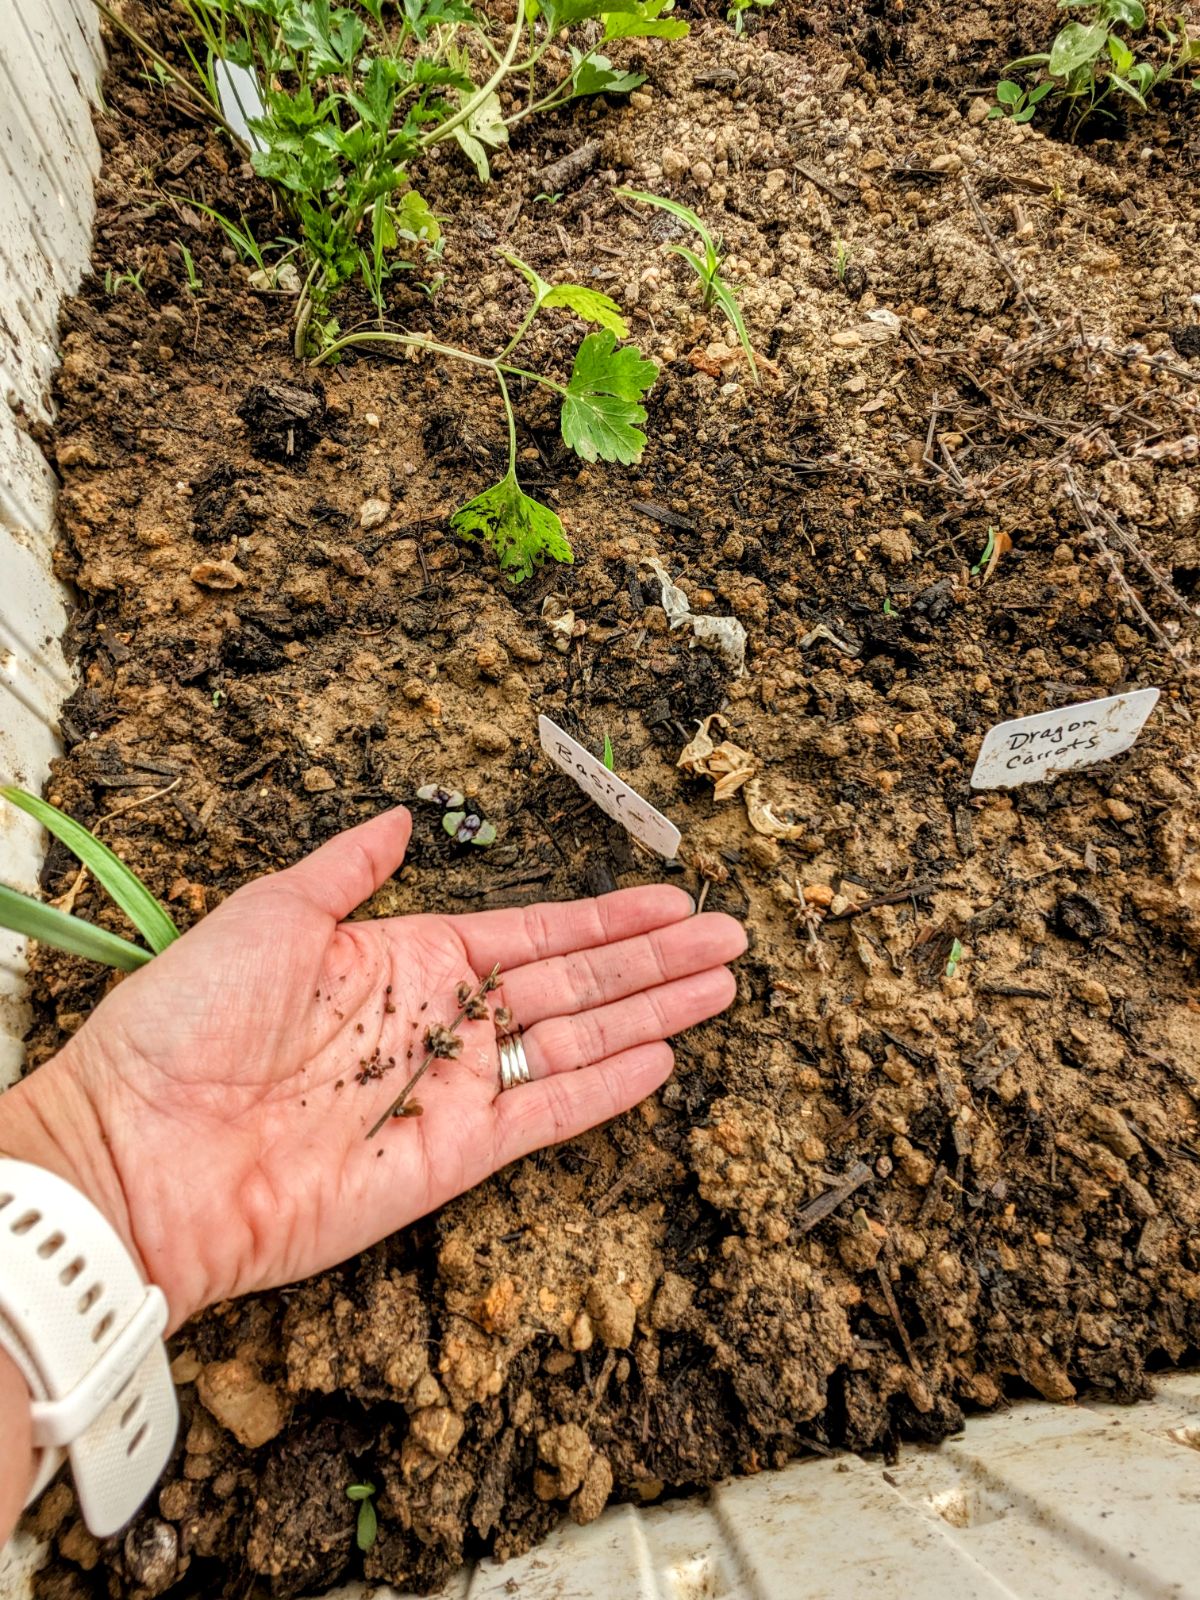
(514, 1064)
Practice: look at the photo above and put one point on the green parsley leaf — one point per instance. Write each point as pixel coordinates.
(520, 530)
(597, 75)
(601, 404)
(643, 21)
(589, 304)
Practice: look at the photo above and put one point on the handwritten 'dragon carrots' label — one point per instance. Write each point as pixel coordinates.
(1033, 749)
(612, 794)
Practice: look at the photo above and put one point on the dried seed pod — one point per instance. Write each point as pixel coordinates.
(443, 1042)
(477, 1009)
(503, 1019)
(462, 994)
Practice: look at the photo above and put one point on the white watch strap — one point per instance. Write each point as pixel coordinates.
(86, 1333)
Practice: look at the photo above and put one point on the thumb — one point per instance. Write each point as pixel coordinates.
(348, 870)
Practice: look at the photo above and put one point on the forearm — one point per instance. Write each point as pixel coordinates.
(16, 1459)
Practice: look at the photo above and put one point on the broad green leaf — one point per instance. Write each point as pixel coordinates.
(559, 13)
(589, 304)
(484, 129)
(1131, 12)
(597, 75)
(521, 531)
(601, 409)
(367, 1530)
(1121, 54)
(1008, 93)
(645, 21)
(421, 15)
(1127, 88)
(109, 871)
(21, 913)
(1076, 45)
(1040, 93)
(360, 1491)
(413, 218)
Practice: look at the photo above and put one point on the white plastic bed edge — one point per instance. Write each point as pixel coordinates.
(1090, 1502)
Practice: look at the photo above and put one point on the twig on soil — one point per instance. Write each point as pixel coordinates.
(466, 1007)
(817, 1210)
(1005, 265)
(915, 891)
(1132, 598)
(894, 1309)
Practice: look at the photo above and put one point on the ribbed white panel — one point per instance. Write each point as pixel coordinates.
(1088, 1502)
(49, 70)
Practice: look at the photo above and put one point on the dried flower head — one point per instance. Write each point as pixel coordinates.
(503, 1019)
(442, 1043)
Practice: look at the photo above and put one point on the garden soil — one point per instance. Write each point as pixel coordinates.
(944, 1149)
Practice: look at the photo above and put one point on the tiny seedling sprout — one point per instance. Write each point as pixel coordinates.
(367, 1528)
(707, 268)
(608, 754)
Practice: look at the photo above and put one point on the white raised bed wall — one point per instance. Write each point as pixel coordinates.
(1040, 1503)
(50, 64)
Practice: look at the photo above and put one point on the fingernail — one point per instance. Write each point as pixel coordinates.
(692, 899)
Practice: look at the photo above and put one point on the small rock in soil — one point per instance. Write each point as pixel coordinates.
(237, 1397)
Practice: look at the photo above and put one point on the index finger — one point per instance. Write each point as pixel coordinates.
(510, 938)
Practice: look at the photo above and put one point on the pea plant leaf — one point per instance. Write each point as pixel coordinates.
(601, 409)
(597, 75)
(124, 885)
(589, 304)
(559, 13)
(519, 529)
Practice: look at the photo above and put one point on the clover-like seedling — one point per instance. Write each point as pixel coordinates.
(367, 1530)
(448, 799)
(466, 827)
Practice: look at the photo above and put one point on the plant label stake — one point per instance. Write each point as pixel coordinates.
(1034, 749)
(612, 794)
(241, 99)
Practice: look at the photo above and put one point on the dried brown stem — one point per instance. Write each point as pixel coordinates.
(396, 1109)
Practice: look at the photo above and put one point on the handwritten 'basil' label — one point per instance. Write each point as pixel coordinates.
(1034, 749)
(612, 794)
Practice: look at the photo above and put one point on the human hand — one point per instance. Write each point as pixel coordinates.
(211, 1107)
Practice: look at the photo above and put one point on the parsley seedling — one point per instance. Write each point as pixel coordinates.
(600, 417)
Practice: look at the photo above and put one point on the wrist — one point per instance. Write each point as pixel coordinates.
(16, 1473)
(50, 1120)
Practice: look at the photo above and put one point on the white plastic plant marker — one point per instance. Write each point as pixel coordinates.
(1034, 749)
(612, 794)
(241, 99)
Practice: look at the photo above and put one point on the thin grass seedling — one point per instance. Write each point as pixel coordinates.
(24, 915)
(707, 268)
(189, 266)
(608, 754)
(115, 281)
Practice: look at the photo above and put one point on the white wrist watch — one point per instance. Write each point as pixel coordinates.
(86, 1333)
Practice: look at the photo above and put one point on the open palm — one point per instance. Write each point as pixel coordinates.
(225, 1077)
